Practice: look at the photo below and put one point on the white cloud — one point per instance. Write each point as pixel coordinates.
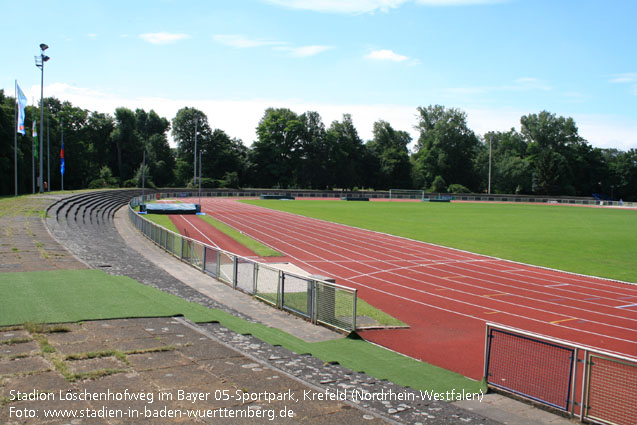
(369, 6)
(523, 84)
(457, 2)
(340, 6)
(304, 51)
(163, 37)
(630, 77)
(386, 55)
(627, 78)
(243, 42)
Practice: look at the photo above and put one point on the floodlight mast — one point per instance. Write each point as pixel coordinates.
(39, 62)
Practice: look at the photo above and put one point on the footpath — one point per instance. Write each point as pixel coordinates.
(169, 370)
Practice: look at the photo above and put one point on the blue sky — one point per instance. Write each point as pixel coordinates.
(375, 59)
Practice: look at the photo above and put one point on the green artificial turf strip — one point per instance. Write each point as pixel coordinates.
(593, 241)
(356, 354)
(74, 295)
(252, 244)
(80, 295)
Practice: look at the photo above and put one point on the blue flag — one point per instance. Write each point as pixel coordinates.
(62, 159)
(22, 103)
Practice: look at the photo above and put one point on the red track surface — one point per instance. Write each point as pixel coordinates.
(444, 295)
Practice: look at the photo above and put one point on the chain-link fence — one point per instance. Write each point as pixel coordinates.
(318, 301)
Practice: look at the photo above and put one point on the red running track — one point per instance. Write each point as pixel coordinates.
(445, 296)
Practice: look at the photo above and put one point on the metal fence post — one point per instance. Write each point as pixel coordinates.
(280, 290)
(235, 268)
(574, 382)
(218, 266)
(355, 302)
(255, 278)
(583, 401)
(314, 302)
(203, 260)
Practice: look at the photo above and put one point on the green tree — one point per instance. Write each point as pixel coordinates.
(312, 170)
(346, 154)
(510, 168)
(98, 133)
(183, 130)
(275, 154)
(446, 147)
(553, 143)
(128, 148)
(390, 147)
(79, 170)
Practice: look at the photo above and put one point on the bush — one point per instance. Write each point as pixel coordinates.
(101, 183)
(130, 183)
(206, 182)
(438, 185)
(458, 188)
(97, 184)
(231, 180)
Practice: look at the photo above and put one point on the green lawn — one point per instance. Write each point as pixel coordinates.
(78, 295)
(593, 241)
(252, 244)
(298, 301)
(162, 220)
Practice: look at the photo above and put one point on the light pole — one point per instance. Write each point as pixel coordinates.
(489, 188)
(39, 62)
(194, 179)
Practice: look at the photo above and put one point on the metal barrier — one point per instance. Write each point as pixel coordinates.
(546, 370)
(320, 302)
(611, 395)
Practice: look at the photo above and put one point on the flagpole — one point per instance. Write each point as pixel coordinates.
(62, 160)
(15, 139)
(33, 152)
(48, 155)
(194, 181)
(489, 187)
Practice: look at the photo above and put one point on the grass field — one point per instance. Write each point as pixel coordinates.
(593, 241)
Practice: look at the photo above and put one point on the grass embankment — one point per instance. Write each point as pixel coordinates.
(80, 295)
(252, 244)
(593, 241)
(343, 303)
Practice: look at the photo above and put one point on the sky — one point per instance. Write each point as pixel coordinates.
(496, 60)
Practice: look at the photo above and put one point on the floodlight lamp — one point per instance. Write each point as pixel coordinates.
(43, 47)
(38, 61)
(45, 58)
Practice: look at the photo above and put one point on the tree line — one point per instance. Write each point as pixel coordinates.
(546, 156)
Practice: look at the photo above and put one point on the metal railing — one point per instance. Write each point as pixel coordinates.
(546, 370)
(335, 194)
(320, 302)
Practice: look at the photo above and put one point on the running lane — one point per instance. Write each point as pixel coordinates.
(444, 295)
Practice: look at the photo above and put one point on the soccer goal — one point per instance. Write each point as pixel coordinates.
(395, 194)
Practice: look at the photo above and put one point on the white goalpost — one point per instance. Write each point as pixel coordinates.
(395, 194)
